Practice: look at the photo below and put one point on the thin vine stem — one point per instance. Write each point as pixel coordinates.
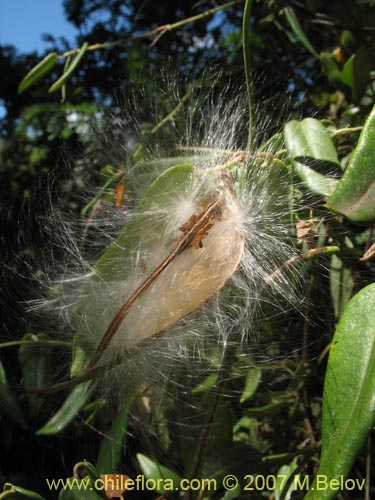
(247, 65)
(157, 32)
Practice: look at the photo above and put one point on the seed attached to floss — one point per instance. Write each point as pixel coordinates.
(198, 264)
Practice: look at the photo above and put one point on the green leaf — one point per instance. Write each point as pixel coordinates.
(114, 442)
(20, 491)
(206, 384)
(69, 409)
(70, 70)
(298, 31)
(355, 193)
(282, 477)
(38, 71)
(349, 388)
(356, 72)
(8, 403)
(308, 142)
(152, 470)
(251, 383)
(35, 362)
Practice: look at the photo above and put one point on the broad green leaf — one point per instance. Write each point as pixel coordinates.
(341, 282)
(113, 443)
(349, 388)
(35, 362)
(251, 383)
(356, 72)
(298, 31)
(8, 403)
(38, 71)
(308, 142)
(69, 409)
(70, 70)
(152, 470)
(354, 195)
(20, 492)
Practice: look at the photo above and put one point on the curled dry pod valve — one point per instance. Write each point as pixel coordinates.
(191, 268)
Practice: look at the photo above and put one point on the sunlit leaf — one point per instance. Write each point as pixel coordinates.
(349, 388)
(354, 195)
(309, 143)
(38, 71)
(70, 69)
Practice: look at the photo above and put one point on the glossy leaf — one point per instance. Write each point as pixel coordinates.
(308, 143)
(70, 70)
(38, 71)
(354, 195)
(298, 31)
(8, 403)
(69, 409)
(35, 363)
(152, 470)
(349, 388)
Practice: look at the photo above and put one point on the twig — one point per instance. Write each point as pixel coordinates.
(159, 31)
(172, 113)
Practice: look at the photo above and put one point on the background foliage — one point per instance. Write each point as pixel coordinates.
(319, 54)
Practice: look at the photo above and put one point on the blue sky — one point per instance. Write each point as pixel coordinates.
(22, 23)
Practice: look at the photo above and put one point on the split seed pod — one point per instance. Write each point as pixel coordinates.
(190, 257)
